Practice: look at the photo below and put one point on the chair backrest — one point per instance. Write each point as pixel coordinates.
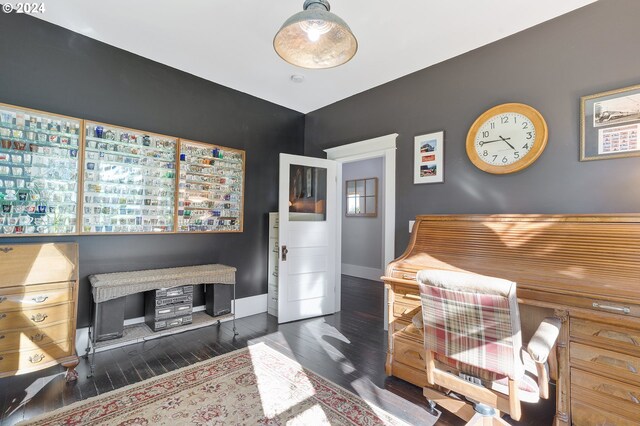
(472, 319)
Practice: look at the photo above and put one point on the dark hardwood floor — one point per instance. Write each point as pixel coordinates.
(348, 348)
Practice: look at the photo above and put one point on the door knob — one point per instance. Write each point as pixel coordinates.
(284, 253)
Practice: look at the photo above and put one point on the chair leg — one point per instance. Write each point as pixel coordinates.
(515, 409)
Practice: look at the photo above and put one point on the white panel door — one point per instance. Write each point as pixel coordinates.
(307, 237)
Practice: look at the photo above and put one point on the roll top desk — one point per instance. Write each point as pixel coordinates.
(584, 269)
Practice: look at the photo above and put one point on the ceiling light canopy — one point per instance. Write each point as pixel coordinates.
(315, 38)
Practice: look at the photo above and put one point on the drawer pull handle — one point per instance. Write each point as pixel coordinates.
(624, 309)
(39, 317)
(1, 358)
(182, 308)
(408, 277)
(36, 358)
(38, 337)
(412, 296)
(3, 316)
(39, 299)
(612, 390)
(164, 311)
(414, 353)
(2, 298)
(603, 359)
(6, 250)
(615, 335)
(2, 337)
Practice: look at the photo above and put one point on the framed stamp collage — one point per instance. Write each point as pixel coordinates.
(66, 176)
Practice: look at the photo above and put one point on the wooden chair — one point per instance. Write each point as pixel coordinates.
(474, 350)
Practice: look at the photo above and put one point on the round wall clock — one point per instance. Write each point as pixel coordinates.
(507, 138)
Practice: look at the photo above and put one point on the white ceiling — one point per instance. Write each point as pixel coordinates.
(230, 41)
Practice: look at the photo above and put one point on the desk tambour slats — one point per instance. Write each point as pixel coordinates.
(585, 267)
(590, 256)
(38, 303)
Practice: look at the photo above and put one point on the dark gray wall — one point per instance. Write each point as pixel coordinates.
(549, 67)
(362, 236)
(46, 67)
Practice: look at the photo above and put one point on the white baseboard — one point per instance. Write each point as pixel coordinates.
(362, 272)
(246, 306)
(253, 305)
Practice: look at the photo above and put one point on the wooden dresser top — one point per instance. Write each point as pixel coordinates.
(27, 264)
(590, 255)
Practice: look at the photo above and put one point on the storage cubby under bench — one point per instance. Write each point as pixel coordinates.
(113, 287)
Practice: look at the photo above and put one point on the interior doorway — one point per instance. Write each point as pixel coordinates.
(362, 218)
(382, 150)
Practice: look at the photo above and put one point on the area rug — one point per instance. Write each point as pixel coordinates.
(252, 386)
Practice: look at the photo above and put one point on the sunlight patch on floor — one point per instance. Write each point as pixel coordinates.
(312, 416)
(319, 333)
(278, 396)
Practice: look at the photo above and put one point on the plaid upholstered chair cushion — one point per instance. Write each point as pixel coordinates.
(529, 389)
(473, 320)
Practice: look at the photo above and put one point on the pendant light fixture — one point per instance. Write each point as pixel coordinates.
(315, 38)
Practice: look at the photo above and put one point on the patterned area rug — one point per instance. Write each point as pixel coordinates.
(252, 386)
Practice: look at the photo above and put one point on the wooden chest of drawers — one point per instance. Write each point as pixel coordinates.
(38, 304)
(604, 363)
(405, 358)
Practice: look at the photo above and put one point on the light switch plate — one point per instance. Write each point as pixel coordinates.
(411, 222)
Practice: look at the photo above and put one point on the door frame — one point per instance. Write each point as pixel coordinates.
(381, 147)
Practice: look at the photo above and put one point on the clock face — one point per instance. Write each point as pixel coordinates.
(505, 139)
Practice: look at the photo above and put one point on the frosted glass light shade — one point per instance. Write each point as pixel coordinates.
(315, 38)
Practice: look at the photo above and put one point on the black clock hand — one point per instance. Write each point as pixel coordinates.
(505, 141)
(495, 140)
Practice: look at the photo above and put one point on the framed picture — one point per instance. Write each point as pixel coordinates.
(428, 158)
(609, 124)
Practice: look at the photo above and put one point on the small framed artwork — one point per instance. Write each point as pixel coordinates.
(609, 124)
(429, 158)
